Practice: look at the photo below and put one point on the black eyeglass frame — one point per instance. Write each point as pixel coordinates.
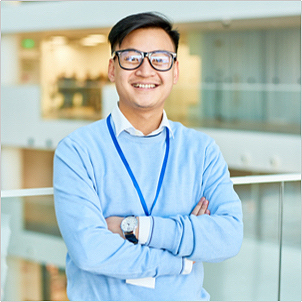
(144, 55)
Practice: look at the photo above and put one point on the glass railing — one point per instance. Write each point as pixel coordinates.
(267, 268)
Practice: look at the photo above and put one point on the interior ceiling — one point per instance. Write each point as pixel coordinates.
(73, 34)
(246, 24)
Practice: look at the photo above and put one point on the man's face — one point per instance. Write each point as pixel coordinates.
(145, 96)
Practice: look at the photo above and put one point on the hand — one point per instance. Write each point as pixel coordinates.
(201, 208)
(114, 225)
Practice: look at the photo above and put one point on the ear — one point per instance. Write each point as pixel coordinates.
(111, 71)
(176, 72)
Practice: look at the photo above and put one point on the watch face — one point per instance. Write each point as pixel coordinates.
(129, 224)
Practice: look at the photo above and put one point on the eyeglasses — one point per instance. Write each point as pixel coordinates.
(130, 59)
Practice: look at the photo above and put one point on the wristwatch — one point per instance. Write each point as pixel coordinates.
(128, 226)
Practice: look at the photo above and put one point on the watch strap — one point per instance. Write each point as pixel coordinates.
(131, 237)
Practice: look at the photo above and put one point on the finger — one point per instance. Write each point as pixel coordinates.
(207, 212)
(203, 208)
(198, 207)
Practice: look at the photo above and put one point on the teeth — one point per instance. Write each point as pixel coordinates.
(146, 86)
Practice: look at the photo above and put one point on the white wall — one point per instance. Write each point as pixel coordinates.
(10, 68)
(21, 120)
(259, 151)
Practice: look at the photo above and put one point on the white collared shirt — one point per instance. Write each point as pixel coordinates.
(122, 124)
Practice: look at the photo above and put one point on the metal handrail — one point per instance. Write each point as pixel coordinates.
(238, 180)
(27, 192)
(260, 179)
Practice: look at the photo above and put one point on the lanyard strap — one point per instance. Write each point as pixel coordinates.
(127, 166)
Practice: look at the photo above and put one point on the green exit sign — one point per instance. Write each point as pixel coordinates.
(28, 43)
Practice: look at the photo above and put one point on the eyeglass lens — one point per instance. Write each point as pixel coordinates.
(132, 59)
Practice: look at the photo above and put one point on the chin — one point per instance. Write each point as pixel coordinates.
(146, 104)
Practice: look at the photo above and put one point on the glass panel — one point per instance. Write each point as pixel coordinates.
(74, 90)
(39, 215)
(248, 80)
(291, 248)
(253, 274)
(54, 283)
(30, 238)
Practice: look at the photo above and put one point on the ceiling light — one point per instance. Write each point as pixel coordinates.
(93, 40)
(98, 38)
(59, 40)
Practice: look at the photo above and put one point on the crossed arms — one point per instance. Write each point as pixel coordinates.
(114, 222)
(95, 244)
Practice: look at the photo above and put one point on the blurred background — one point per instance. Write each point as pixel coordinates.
(240, 82)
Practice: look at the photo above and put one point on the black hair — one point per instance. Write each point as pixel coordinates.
(142, 20)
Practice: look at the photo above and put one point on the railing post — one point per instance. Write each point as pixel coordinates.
(256, 196)
(280, 223)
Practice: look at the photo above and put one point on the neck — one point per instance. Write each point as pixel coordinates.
(145, 121)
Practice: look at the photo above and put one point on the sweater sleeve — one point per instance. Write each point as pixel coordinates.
(91, 246)
(209, 238)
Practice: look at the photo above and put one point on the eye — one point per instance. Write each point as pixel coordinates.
(131, 57)
(160, 59)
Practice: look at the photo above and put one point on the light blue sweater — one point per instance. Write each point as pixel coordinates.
(91, 184)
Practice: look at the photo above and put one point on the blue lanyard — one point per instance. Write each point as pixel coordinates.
(126, 164)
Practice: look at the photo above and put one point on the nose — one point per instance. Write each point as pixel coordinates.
(145, 70)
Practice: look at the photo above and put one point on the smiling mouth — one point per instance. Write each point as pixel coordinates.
(144, 86)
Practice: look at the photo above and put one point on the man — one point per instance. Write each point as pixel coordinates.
(132, 191)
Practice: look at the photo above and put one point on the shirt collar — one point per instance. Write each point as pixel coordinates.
(122, 124)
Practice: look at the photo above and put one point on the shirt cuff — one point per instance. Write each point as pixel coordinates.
(144, 229)
(187, 266)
